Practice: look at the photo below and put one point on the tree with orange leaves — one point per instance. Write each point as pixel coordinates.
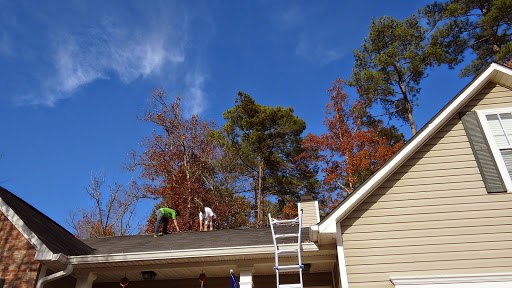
(355, 145)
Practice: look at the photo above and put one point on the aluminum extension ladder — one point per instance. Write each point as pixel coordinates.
(276, 226)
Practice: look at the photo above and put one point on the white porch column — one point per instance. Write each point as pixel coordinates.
(245, 277)
(85, 280)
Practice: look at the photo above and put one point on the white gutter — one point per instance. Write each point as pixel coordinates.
(181, 254)
(69, 268)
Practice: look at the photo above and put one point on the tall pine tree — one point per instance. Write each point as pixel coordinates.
(267, 141)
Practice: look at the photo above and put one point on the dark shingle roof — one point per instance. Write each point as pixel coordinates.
(59, 240)
(186, 240)
(54, 236)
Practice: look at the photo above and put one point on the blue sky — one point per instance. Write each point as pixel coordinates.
(75, 74)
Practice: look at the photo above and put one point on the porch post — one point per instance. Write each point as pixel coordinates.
(85, 280)
(341, 257)
(246, 277)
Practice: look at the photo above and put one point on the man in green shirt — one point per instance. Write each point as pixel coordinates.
(163, 215)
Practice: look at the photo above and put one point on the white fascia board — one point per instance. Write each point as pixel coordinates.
(329, 224)
(313, 233)
(490, 280)
(42, 252)
(182, 254)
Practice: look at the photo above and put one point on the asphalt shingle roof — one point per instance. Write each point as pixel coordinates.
(54, 236)
(59, 240)
(187, 240)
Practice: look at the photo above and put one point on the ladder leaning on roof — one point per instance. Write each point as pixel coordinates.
(274, 223)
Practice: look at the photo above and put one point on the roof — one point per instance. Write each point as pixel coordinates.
(52, 235)
(46, 233)
(187, 240)
(495, 72)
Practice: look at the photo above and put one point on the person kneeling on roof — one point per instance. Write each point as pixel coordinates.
(207, 217)
(162, 215)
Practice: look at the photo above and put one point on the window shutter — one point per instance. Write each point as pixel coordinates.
(483, 154)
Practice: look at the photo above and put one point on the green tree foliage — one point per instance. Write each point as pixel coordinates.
(481, 26)
(266, 141)
(390, 65)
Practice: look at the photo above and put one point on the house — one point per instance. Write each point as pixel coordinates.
(37, 252)
(437, 214)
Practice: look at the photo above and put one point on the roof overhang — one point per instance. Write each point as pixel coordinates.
(326, 229)
(185, 264)
(245, 252)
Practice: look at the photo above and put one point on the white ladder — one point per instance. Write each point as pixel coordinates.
(274, 223)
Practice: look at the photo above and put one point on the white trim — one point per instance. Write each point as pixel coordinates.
(341, 258)
(55, 276)
(340, 212)
(85, 281)
(182, 254)
(496, 153)
(317, 212)
(42, 252)
(491, 280)
(245, 277)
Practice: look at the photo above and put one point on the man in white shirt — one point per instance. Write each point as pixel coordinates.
(206, 217)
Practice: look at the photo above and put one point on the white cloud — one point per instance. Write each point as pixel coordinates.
(109, 50)
(195, 97)
(74, 68)
(313, 39)
(315, 53)
(61, 55)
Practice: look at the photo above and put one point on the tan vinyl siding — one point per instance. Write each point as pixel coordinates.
(310, 213)
(433, 215)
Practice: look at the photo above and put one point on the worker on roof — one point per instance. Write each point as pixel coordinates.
(206, 217)
(162, 215)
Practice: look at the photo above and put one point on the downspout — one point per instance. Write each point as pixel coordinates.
(69, 268)
(341, 257)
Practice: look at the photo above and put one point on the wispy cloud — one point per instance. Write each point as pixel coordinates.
(155, 47)
(103, 52)
(195, 98)
(316, 54)
(312, 42)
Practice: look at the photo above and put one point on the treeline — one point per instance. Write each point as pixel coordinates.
(258, 160)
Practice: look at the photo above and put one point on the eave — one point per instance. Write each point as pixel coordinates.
(324, 232)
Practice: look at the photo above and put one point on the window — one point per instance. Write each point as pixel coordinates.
(491, 280)
(497, 126)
